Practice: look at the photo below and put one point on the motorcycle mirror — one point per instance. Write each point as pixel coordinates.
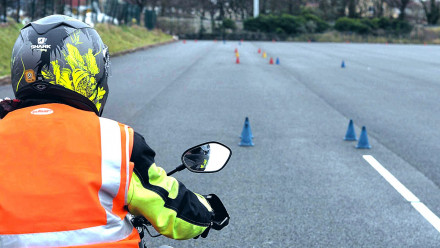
(207, 157)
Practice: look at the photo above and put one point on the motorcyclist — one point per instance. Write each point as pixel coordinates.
(198, 157)
(69, 176)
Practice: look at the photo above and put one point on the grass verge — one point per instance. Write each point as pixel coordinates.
(117, 38)
(8, 34)
(121, 38)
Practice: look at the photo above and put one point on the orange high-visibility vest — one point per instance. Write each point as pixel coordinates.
(64, 177)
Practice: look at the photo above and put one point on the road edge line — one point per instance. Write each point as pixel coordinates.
(433, 219)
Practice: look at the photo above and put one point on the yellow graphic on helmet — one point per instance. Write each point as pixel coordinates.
(80, 77)
(75, 38)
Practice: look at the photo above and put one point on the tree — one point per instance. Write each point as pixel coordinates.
(141, 4)
(432, 12)
(401, 5)
(211, 7)
(352, 8)
(229, 24)
(332, 9)
(18, 11)
(378, 8)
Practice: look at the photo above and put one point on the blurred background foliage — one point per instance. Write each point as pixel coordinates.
(127, 24)
(364, 20)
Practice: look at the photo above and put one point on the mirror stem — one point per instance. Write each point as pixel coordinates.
(178, 168)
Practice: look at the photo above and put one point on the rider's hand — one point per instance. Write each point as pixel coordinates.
(7, 105)
(220, 217)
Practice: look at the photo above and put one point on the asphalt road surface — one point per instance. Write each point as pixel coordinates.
(301, 185)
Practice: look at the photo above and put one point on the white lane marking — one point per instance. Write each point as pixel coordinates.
(428, 214)
(408, 195)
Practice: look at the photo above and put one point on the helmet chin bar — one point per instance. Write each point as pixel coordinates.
(41, 90)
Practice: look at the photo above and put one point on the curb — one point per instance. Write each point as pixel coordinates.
(4, 80)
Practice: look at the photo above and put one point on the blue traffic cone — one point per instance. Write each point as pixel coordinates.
(246, 135)
(278, 61)
(363, 140)
(246, 123)
(343, 64)
(351, 134)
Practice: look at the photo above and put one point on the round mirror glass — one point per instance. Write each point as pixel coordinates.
(207, 157)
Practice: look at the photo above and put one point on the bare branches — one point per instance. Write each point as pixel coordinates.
(432, 12)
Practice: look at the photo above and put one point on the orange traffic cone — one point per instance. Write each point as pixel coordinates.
(271, 61)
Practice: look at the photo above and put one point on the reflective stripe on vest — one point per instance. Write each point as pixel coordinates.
(127, 162)
(115, 229)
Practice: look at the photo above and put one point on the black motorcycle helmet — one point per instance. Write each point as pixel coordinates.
(59, 58)
(198, 157)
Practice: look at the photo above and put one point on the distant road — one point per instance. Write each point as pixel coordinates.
(301, 185)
